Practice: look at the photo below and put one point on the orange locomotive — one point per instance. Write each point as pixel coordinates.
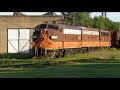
(56, 40)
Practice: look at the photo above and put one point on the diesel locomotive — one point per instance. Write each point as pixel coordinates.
(60, 39)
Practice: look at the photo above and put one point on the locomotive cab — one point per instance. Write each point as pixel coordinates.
(38, 30)
(44, 36)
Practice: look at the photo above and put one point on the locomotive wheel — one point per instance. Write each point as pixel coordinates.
(67, 52)
(53, 54)
(83, 50)
(60, 53)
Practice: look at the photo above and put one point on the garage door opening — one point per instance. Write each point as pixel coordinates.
(19, 40)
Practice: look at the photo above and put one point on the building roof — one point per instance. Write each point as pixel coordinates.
(50, 13)
(46, 13)
(18, 14)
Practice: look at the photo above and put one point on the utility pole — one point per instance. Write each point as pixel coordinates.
(104, 14)
(74, 18)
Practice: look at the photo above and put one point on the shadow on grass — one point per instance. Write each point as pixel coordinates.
(76, 63)
(15, 56)
(24, 63)
(66, 71)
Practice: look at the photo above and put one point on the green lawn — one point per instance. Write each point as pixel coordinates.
(98, 64)
(73, 70)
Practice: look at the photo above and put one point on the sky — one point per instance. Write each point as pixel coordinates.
(114, 16)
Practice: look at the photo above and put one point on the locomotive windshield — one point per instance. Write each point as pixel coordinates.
(37, 31)
(39, 27)
(53, 27)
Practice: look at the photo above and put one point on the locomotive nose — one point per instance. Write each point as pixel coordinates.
(41, 40)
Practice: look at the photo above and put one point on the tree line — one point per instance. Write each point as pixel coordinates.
(84, 19)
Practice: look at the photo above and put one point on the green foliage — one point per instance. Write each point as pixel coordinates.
(108, 24)
(97, 56)
(84, 19)
(71, 70)
(115, 26)
(99, 22)
(78, 18)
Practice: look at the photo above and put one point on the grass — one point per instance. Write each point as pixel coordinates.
(98, 64)
(107, 55)
(15, 56)
(76, 70)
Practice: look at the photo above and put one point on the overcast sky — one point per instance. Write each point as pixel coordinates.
(114, 16)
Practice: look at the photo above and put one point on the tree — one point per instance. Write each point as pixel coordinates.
(99, 22)
(78, 18)
(115, 26)
(108, 24)
(84, 19)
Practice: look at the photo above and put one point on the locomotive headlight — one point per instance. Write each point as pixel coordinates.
(34, 37)
(42, 31)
